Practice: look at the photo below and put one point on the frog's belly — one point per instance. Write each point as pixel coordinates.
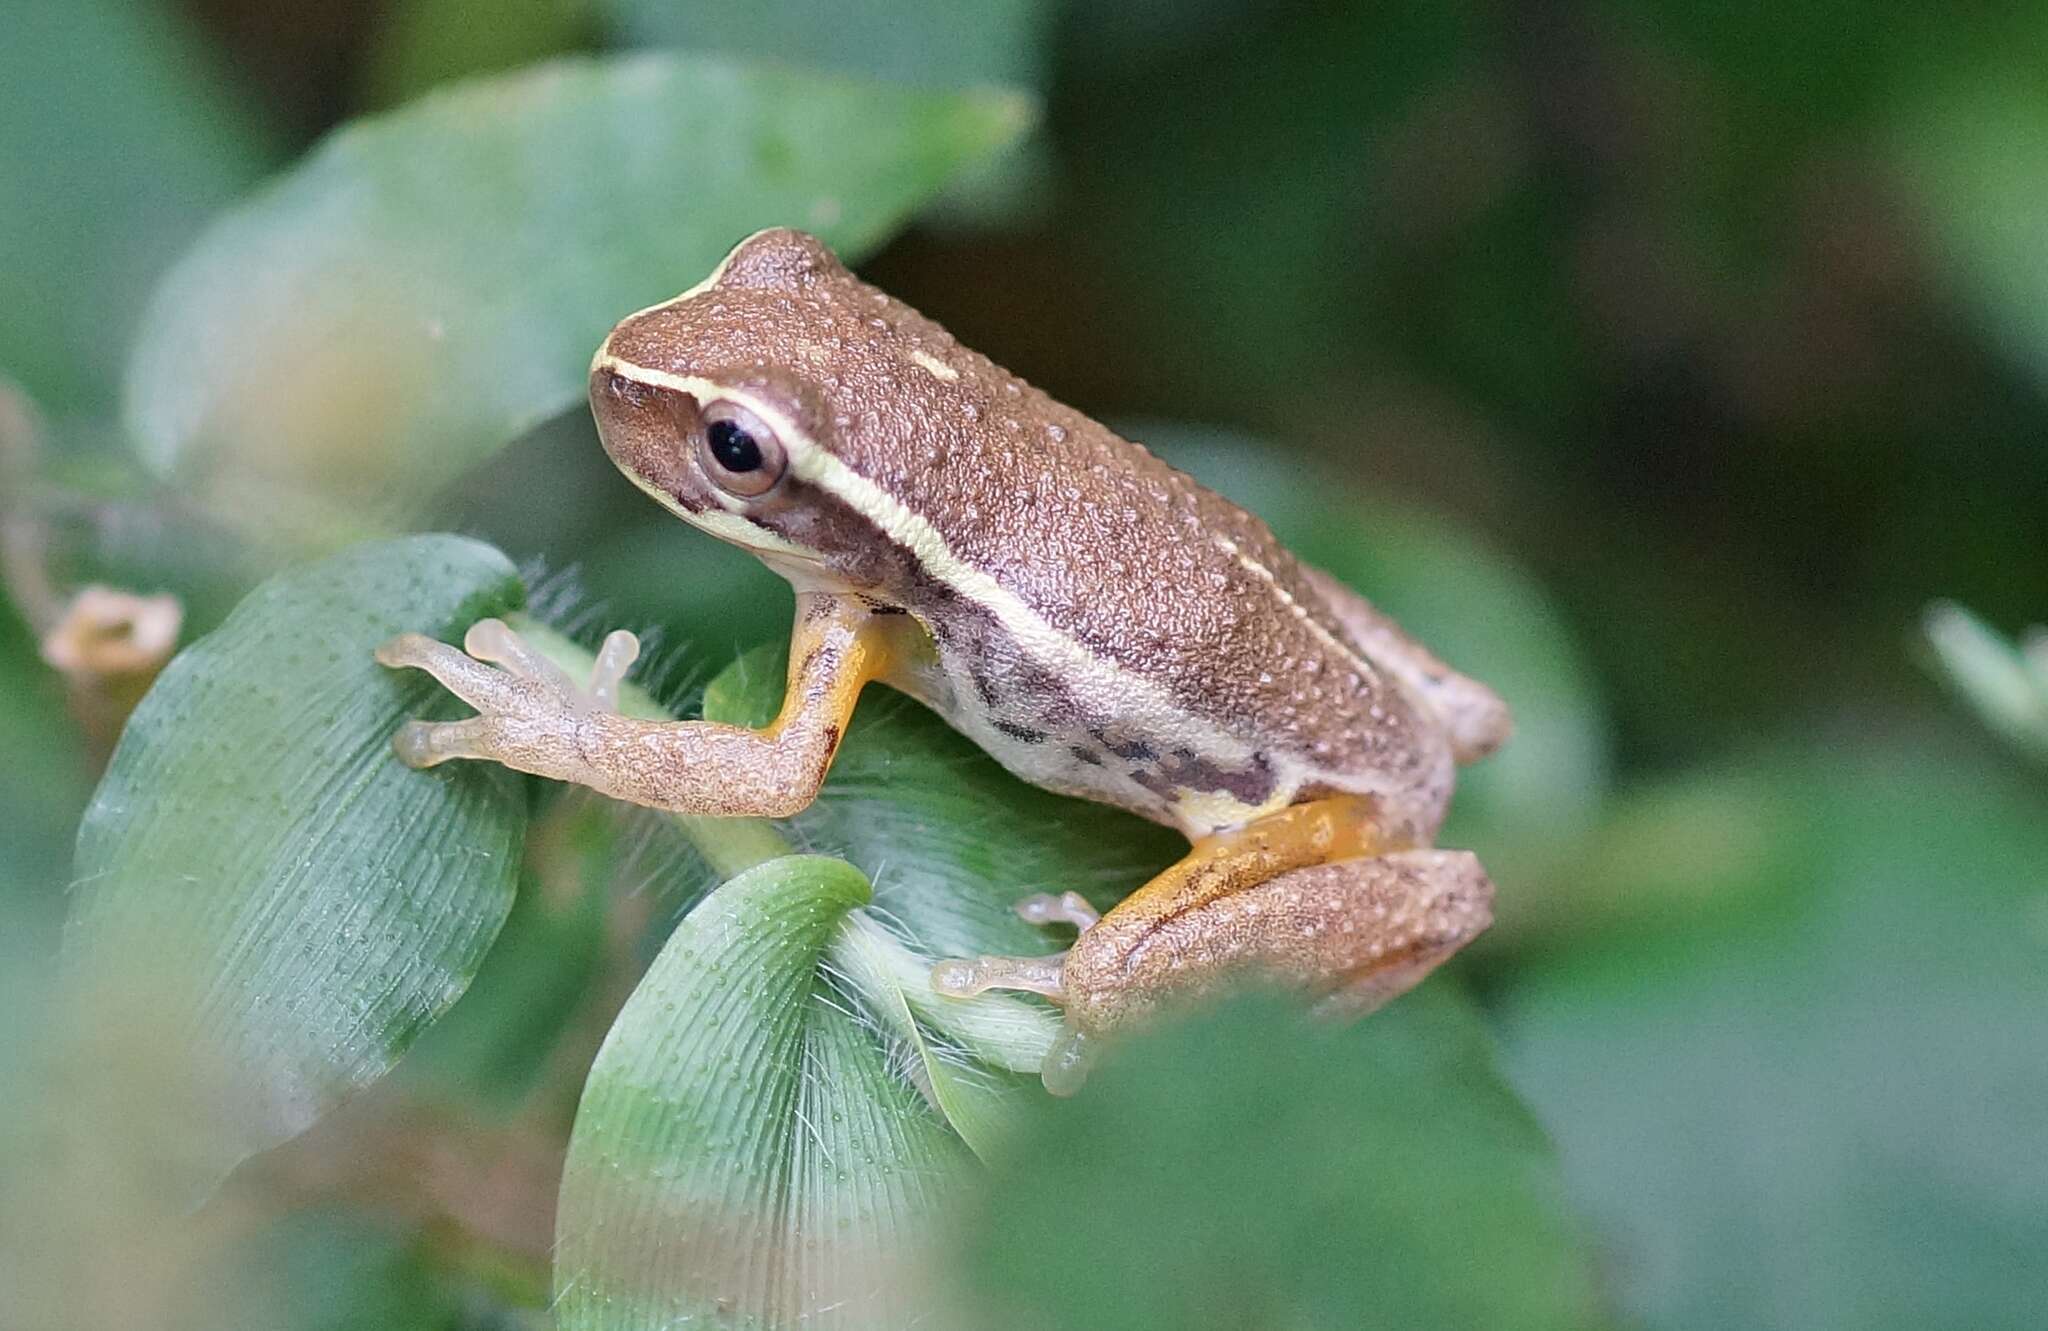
(1135, 754)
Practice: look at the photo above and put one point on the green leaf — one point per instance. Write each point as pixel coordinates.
(978, 43)
(425, 43)
(914, 801)
(493, 1046)
(268, 899)
(1249, 1169)
(1835, 1094)
(742, 1154)
(2006, 685)
(117, 142)
(1973, 153)
(978, 1100)
(432, 282)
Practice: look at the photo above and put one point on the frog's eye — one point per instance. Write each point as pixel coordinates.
(740, 454)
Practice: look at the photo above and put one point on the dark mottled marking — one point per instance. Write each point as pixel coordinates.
(1022, 734)
(1253, 785)
(1137, 750)
(986, 688)
(1048, 694)
(1086, 755)
(888, 610)
(1155, 782)
(825, 756)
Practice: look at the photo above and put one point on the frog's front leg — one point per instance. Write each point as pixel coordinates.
(1311, 896)
(533, 718)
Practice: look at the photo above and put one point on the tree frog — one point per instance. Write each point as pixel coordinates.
(1098, 622)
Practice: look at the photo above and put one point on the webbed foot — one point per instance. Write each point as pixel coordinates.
(524, 702)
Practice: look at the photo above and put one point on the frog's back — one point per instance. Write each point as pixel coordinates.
(1187, 662)
(1111, 627)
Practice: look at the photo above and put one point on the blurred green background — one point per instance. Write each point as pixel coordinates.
(1659, 363)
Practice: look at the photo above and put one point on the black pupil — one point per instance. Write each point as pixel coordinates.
(734, 448)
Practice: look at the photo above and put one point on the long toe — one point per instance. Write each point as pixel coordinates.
(482, 686)
(495, 641)
(428, 743)
(965, 978)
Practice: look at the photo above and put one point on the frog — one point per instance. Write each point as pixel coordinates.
(1095, 620)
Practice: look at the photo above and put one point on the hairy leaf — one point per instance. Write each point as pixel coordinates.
(742, 1154)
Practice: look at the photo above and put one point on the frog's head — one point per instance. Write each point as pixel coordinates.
(733, 403)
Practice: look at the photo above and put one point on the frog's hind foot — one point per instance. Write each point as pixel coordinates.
(1038, 975)
(1066, 908)
(966, 977)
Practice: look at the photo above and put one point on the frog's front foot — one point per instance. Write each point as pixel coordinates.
(525, 703)
(1066, 908)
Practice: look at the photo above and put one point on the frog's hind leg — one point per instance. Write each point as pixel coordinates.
(1364, 932)
(1357, 930)
(1311, 896)
(1303, 834)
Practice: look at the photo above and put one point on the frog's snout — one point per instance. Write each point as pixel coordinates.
(646, 429)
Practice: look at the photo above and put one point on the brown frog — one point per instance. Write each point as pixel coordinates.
(1098, 622)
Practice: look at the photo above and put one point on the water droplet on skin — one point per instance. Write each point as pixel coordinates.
(1056, 433)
